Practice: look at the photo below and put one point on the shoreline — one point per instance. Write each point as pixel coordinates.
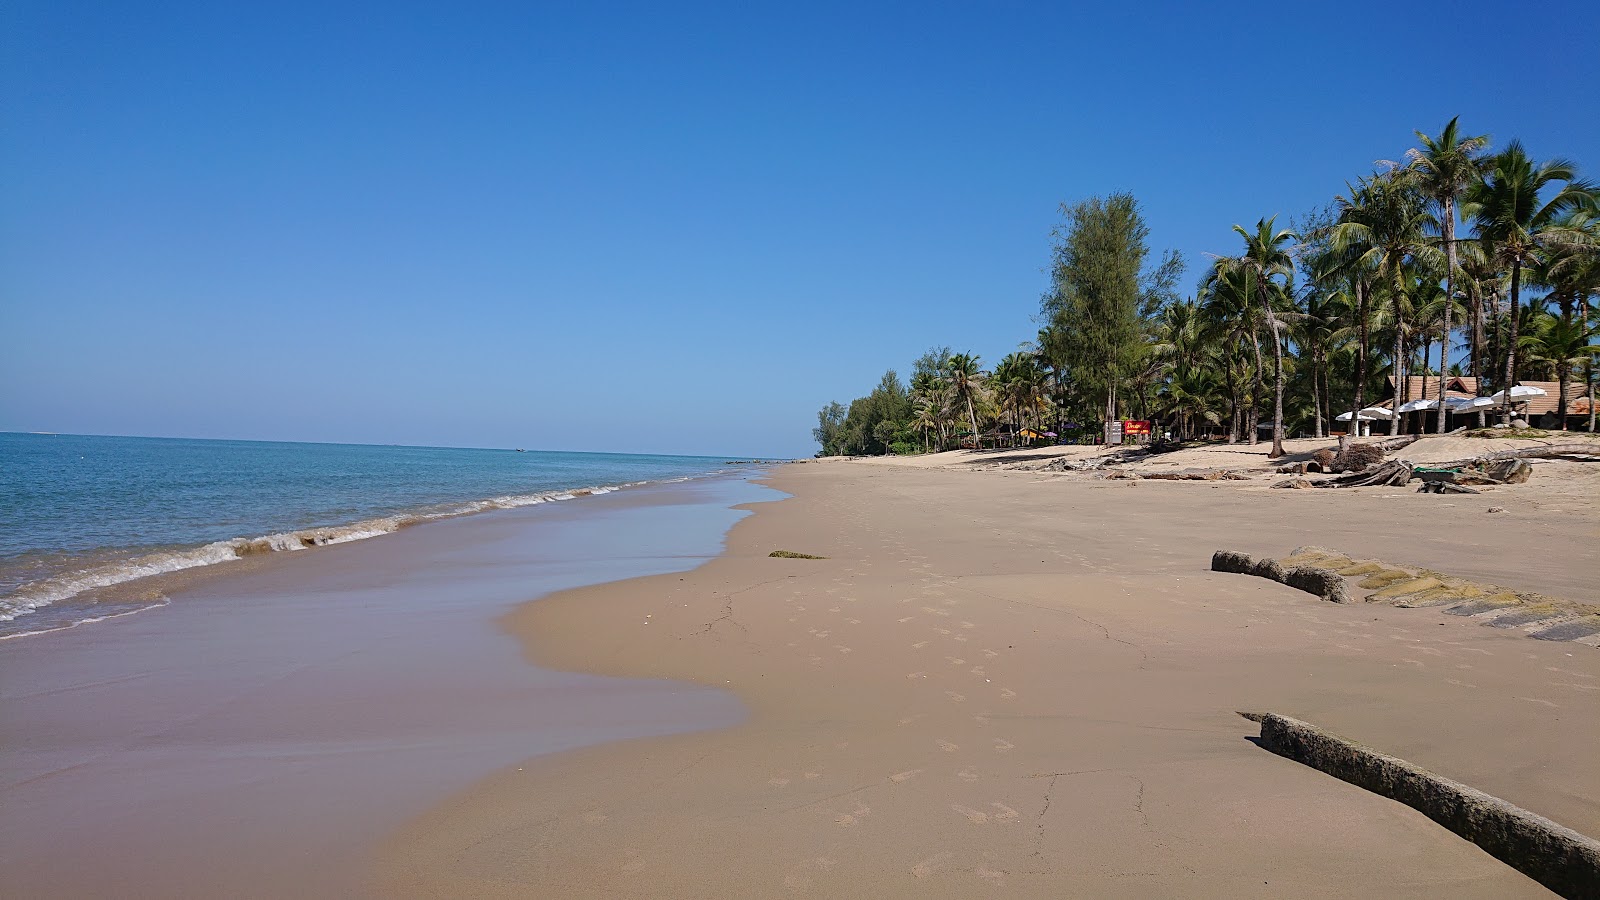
(200, 751)
(140, 583)
(980, 655)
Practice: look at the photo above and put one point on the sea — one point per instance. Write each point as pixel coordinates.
(84, 518)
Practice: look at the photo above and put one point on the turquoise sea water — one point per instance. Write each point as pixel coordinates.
(79, 514)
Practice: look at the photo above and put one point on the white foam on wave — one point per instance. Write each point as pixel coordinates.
(39, 594)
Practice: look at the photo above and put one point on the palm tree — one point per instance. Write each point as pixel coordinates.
(1516, 229)
(1381, 228)
(1266, 258)
(1558, 345)
(1228, 323)
(1443, 168)
(966, 380)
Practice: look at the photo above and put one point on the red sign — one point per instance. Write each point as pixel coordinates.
(1135, 426)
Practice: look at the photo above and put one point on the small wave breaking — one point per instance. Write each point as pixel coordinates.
(55, 589)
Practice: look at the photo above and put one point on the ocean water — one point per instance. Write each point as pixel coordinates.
(84, 518)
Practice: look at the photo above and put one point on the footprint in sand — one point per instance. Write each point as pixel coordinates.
(960, 637)
(841, 648)
(899, 777)
(930, 865)
(833, 609)
(968, 625)
(634, 862)
(778, 782)
(978, 671)
(853, 621)
(955, 660)
(992, 876)
(942, 630)
(1003, 746)
(946, 746)
(919, 645)
(990, 654)
(916, 674)
(955, 697)
(845, 820)
(595, 817)
(907, 619)
(967, 775)
(1007, 694)
(979, 817)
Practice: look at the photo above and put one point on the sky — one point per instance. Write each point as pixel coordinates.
(665, 228)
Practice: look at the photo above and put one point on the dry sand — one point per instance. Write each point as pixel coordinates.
(1020, 685)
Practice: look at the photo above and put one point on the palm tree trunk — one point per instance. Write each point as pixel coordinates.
(1588, 366)
(1316, 393)
(1399, 364)
(1511, 343)
(1449, 301)
(1255, 391)
(1359, 402)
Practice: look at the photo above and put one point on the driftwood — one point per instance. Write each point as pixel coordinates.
(1588, 452)
(1395, 443)
(1393, 473)
(1446, 487)
(1196, 475)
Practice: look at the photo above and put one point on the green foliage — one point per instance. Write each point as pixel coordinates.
(1304, 324)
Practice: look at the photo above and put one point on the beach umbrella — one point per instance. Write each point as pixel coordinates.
(1461, 404)
(1418, 405)
(1051, 434)
(1518, 392)
(1370, 413)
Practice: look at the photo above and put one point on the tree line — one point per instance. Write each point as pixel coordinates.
(1458, 260)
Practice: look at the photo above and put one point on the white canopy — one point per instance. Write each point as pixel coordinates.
(1418, 405)
(1370, 414)
(1518, 392)
(1461, 404)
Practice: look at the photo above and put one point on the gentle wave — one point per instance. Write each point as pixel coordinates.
(48, 591)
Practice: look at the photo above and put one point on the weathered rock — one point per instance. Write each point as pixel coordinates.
(1325, 583)
(1412, 585)
(1555, 856)
(1383, 578)
(1570, 630)
(1231, 561)
(1267, 568)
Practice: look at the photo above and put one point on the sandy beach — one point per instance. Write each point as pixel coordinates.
(1014, 684)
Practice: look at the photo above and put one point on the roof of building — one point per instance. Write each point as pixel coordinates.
(1464, 385)
(1538, 406)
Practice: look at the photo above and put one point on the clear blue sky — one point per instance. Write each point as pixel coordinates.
(656, 228)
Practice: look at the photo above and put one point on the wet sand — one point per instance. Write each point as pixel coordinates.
(1023, 686)
(260, 735)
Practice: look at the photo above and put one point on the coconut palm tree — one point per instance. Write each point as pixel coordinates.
(1517, 229)
(1382, 227)
(1443, 168)
(1557, 345)
(1228, 323)
(1266, 258)
(966, 380)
